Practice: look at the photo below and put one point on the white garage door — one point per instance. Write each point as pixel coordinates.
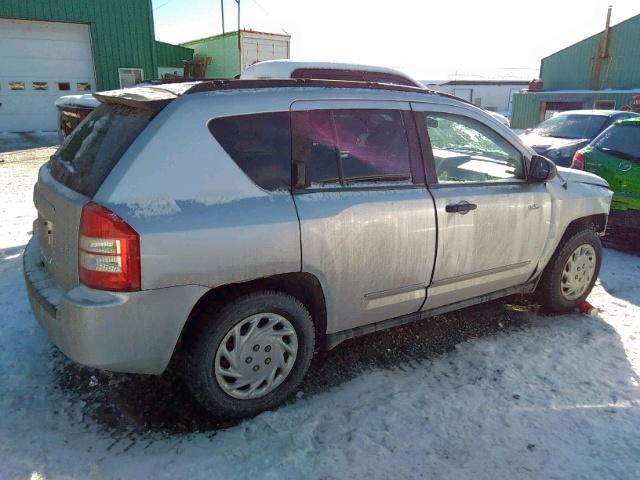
(40, 62)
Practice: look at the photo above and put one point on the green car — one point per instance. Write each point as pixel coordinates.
(615, 156)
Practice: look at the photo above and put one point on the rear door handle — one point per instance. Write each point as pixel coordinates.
(462, 208)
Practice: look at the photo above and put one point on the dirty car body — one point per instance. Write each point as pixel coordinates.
(362, 201)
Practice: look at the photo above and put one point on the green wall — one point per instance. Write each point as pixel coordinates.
(573, 67)
(122, 32)
(528, 109)
(172, 55)
(224, 52)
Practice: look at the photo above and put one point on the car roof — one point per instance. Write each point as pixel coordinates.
(154, 97)
(602, 113)
(631, 122)
(286, 68)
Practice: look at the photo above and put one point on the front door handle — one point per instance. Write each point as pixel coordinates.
(462, 208)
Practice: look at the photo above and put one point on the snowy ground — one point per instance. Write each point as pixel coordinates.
(495, 392)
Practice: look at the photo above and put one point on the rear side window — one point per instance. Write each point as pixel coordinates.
(351, 146)
(260, 144)
(87, 156)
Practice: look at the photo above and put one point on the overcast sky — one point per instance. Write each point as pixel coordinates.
(429, 40)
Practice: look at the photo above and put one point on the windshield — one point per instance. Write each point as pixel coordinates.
(620, 140)
(87, 156)
(571, 126)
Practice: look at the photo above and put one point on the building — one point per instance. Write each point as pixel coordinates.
(602, 71)
(232, 52)
(493, 95)
(51, 48)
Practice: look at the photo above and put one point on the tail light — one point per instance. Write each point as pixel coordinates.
(109, 251)
(578, 160)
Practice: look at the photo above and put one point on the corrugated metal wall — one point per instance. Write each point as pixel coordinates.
(172, 55)
(528, 106)
(525, 110)
(122, 32)
(224, 51)
(573, 67)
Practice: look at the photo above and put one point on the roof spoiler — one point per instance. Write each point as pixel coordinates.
(152, 99)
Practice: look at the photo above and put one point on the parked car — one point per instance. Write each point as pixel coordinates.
(236, 227)
(501, 118)
(560, 136)
(615, 156)
(72, 109)
(271, 69)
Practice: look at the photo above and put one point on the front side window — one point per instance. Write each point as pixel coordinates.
(351, 146)
(260, 144)
(620, 141)
(465, 150)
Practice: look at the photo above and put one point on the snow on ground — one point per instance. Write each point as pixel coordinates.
(556, 397)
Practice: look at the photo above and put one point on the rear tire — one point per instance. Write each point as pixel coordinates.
(571, 273)
(264, 340)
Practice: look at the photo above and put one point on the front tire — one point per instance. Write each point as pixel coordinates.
(250, 355)
(571, 273)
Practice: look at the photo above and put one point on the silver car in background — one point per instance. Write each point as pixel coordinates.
(239, 226)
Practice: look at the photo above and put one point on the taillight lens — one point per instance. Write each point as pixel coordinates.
(109, 251)
(578, 160)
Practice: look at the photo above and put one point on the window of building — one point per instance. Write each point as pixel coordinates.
(260, 144)
(351, 146)
(604, 105)
(83, 86)
(40, 85)
(465, 150)
(63, 86)
(16, 85)
(130, 76)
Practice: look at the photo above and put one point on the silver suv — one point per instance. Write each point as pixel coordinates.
(239, 226)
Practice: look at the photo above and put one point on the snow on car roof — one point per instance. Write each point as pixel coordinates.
(285, 68)
(87, 100)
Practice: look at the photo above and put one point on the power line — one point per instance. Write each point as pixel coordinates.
(160, 6)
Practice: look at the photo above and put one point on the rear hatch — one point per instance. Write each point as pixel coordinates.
(75, 172)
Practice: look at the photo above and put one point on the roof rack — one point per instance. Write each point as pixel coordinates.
(238, 84)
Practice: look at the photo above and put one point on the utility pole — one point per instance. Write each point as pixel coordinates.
(222, 9)
(239, 45)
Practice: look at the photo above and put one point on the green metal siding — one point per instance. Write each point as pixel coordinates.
(525, 111)
(573, 67)
(224, 52)
(528, 106)
(172, 55)
(122, 32)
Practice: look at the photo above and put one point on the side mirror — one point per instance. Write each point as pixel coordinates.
(541, 169)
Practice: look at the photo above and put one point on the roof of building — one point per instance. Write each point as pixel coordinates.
(233, 33)
(630, 19)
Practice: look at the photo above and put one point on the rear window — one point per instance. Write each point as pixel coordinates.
(260, 144)
(620, 140)
(87, 156)
(572, 126)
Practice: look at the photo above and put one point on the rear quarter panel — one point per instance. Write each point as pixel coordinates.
(201, 220)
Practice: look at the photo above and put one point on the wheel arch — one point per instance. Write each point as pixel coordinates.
(303, 286)
(596, 222)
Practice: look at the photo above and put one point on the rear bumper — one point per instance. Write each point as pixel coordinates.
(124, 332)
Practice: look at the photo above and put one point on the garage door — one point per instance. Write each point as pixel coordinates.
(40, 62)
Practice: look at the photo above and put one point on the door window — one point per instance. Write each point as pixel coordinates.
(466, 150)
(351, 146)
